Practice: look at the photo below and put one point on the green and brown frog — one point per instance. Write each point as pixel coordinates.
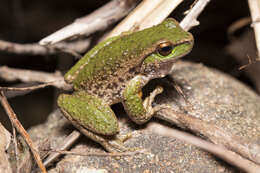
(115, 71)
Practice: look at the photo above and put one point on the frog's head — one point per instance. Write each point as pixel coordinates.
(172, 43)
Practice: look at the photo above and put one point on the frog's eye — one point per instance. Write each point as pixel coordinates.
(165, 48)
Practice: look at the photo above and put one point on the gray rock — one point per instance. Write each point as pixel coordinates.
(216, 97)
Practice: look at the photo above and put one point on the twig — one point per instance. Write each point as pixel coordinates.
(31, 88)
(12, 74)
(98, 20)
(72, 48)
(68, 141)
(13, 118)
(245, 55)
(217, 135)
(103, 154)
(250, 62)
(24, 90)
(191, 19)
(221, 152)
(254, 6)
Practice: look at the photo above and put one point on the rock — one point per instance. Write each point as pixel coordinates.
(216, 97)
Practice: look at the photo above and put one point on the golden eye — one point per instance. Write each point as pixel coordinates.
(165, 48)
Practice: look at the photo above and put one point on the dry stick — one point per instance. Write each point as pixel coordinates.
(25, 90)
(100, 19)
(221, 152)
(218, 136)
(254, 6)
(190, 19)
(250, 62)
(68, 141)
(72, 48)
(103, 154)
(30, 88)
(13, 118)
(12, 74)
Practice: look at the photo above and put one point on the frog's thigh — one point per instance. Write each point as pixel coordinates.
(90, 112)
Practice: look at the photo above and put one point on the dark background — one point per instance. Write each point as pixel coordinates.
(31, 20)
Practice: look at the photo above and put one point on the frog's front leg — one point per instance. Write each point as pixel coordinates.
(92, 117)
(138, 110)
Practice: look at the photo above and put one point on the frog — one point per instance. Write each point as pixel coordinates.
(115, 71)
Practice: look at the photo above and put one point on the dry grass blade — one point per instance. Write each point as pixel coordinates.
(72, 48)
(98, 20)
(12, 74)
(254, 6)
(191, 19)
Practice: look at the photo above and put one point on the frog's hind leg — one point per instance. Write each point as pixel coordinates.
(92, 117)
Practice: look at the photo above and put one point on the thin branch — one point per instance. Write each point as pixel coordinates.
(72, 48)
(68, 141)
(30, 88)
(250, 62)
(191, 19)
(54, 79)
(254, 6)
(221, 152)
(13, 118)
(217, 135)
(98, 20)
(103, 154)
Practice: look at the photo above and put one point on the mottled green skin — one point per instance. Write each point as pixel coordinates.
(115, 71)
(90, 105)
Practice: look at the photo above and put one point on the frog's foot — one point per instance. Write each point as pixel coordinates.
(138, 110)
(111, 143)
(149, 100)
(118, 143)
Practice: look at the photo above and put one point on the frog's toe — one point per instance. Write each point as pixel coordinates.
(116, 145)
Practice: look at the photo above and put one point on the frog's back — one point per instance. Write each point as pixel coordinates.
(105, 69)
